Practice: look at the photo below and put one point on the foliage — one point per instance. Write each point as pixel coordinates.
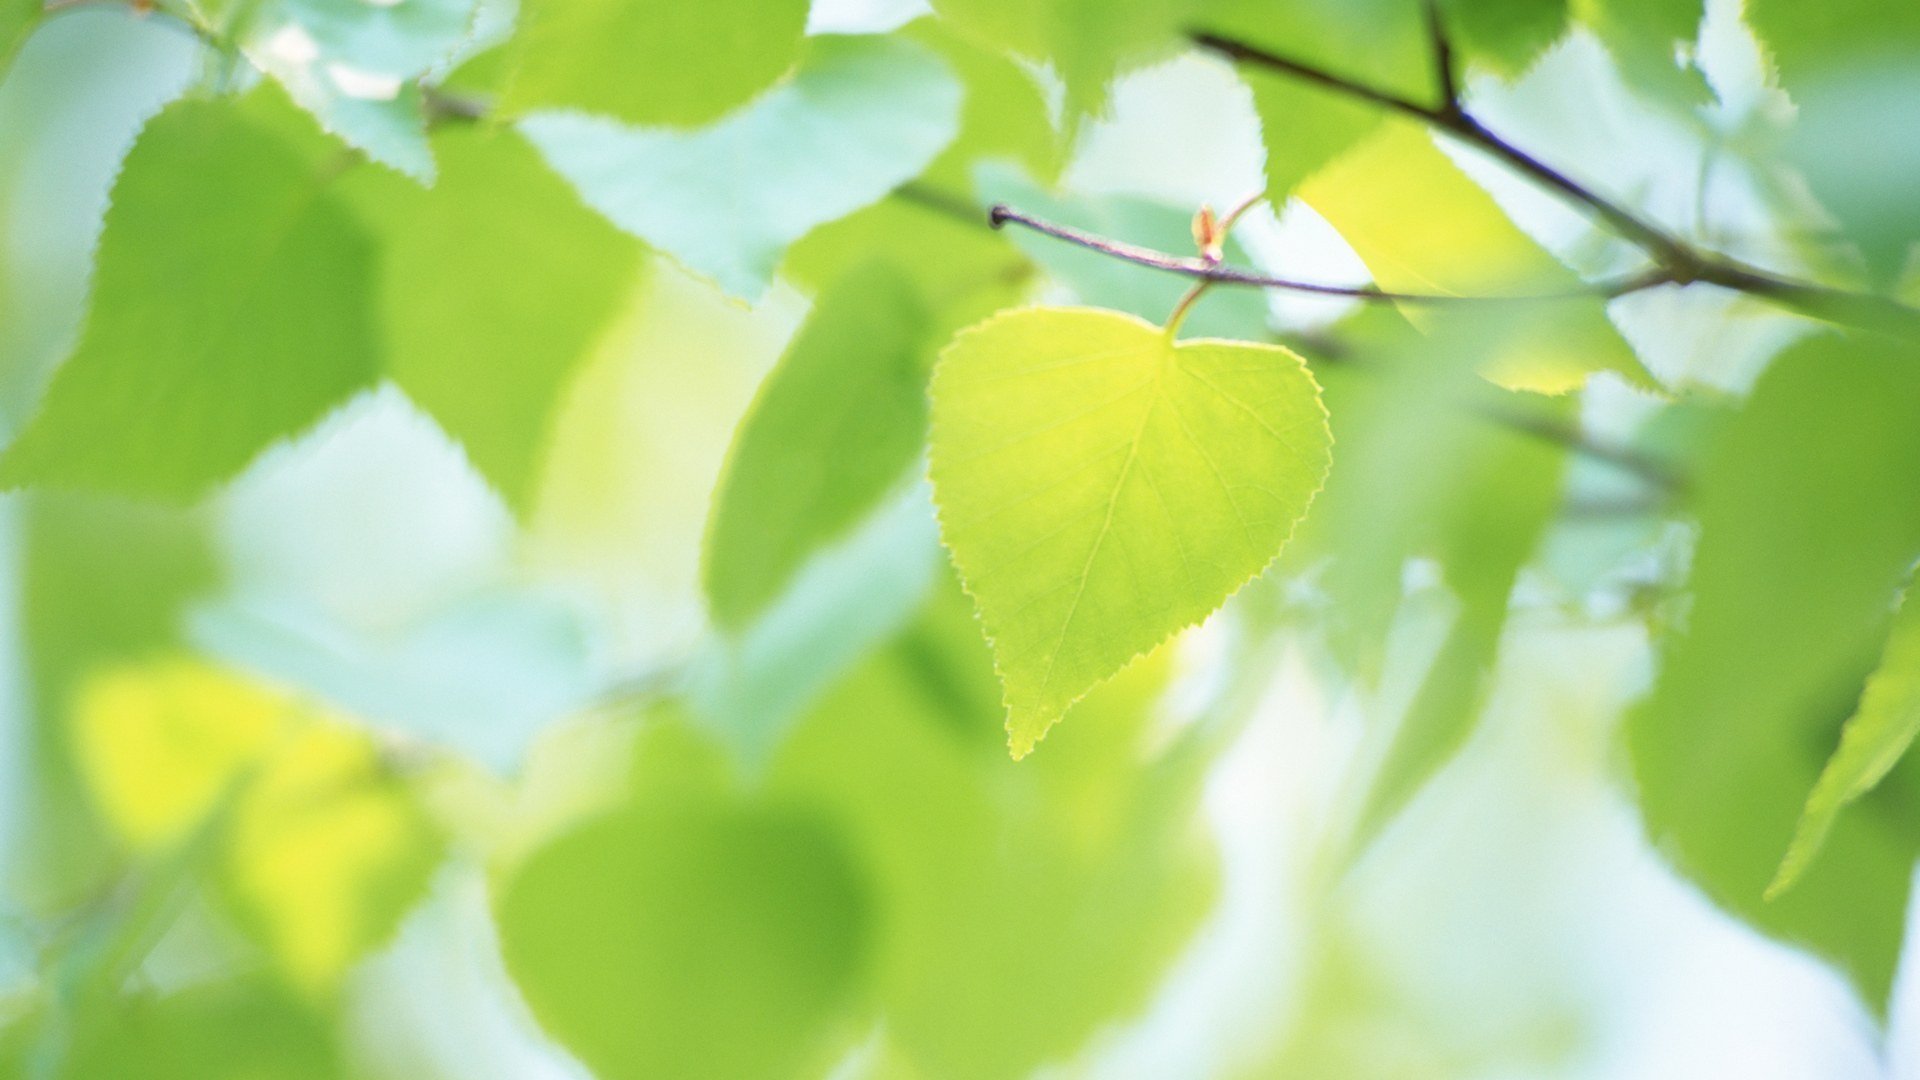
(775, 403)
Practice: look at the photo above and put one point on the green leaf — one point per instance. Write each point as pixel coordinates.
(1422, 226)
(493, 286)
(691, 936)
(1506, 35)
(1101, 487)
(860, 117)
(1085, 870)
(652, 63)
(1087, 42)
(17, 20)
(232, 306)
(1873, 741)
(1801, 553)
(834, 427)
(1004, 116)
(224, 1029)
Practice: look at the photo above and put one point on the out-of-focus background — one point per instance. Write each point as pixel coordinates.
(469, 804)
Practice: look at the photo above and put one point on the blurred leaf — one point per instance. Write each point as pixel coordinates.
(101, 582)
(494, 285)
(1652, 43)
(1873, 741)
(692, 936)
(17, 20)
(1426, 469)
(231, 307)
(1021, 908)
(1506, 35)
(977, 264)
(321, 849)
(241, 1030)
(162, 744)
(1101, 488)
(1003, 116)
(651, 63)
(481, 676)
(1088, 42)
(328, 852)
(834, 427)
(1100, 280)
(847, 598)
(355, 67)
(1800, 555)
(861, 116)
(1422, 226)
(1849, 67)
(1856, 140)
(1379, 43)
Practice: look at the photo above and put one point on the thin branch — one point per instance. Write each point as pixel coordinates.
(1558, 432)
(1002, 215)
(1444, 74)
(1679, 262)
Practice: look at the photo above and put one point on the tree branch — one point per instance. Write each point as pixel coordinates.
(1443, 69)
(1679, 262)
(1002, 215)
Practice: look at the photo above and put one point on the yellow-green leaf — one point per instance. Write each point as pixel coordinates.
(1102, 487)
(1873, 741)
(1422, 226)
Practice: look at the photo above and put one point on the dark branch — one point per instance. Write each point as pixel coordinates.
(1203, 270)
(1444, 74)
(1679, 262)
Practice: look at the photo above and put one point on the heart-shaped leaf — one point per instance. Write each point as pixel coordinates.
(1102, 487)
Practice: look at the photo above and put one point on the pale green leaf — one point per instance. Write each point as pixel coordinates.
(1849, 66)
(356, 66)
(1422, 226)
(860, 117)
(1101, 487)
(232, 306)
(1793, 583)
(690, 936)
(494, 285)
(1651, 42)
(834, 427)
(655, 62)
(1873, 741)
(849, 597)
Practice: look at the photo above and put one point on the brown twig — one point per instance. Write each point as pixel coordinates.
(1002, 215)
